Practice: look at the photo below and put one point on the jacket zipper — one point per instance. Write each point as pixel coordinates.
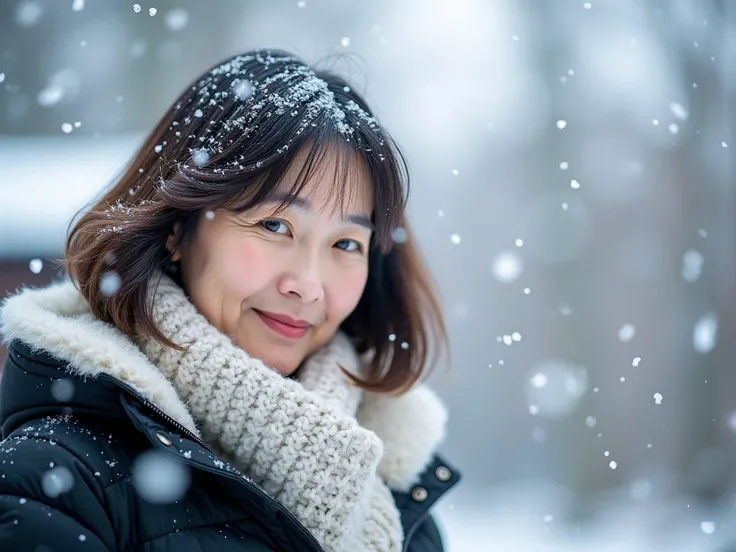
(412, 530)
(183, 430)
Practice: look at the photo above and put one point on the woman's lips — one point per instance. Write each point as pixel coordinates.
(282, 328)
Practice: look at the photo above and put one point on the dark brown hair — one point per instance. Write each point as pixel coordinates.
(226, 143)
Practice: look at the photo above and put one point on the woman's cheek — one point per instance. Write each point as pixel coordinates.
(349, 289)
(248, 265)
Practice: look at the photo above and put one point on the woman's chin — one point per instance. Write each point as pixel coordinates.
(269, 355)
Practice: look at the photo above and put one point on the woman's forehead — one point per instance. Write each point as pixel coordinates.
(337, 179)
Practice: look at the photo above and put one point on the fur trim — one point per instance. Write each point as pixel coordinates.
(411, 427)
(56, 319)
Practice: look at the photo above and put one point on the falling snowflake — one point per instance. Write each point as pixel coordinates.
(200, 157)
(708, 527)
(176, 19)
(705, 333)
(636, 362)
(36, 266)
(507, 267)
(399, 234)
(657, 398)
(136, 8)
(152, 12)
(678, 111)
(159, 479)
(27, 14)
(345, 41)
(56, 481)
(561, 124)
(731, 421)
(110, 283)
(62, 390)
(692, 265)
(626, 332)
(574, 184)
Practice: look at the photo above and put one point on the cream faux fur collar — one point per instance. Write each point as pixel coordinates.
(56, 319)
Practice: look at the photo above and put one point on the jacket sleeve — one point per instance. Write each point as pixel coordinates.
(49, 500)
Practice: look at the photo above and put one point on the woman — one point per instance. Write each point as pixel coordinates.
(234, 361)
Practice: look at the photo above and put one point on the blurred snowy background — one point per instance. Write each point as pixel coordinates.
(573, 189)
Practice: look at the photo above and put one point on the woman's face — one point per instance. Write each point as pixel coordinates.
(281, 284)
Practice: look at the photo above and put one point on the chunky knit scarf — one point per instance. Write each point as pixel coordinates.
(304, 447)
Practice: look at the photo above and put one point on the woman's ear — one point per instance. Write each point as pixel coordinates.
(172, 242)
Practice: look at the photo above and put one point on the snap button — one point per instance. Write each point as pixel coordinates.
(443, 473)
(163, 439)
(419, 494)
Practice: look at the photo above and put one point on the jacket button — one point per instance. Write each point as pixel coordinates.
(163, 439)
(443, 473)
(419, 494)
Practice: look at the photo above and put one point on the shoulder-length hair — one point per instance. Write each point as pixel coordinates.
(226, 143)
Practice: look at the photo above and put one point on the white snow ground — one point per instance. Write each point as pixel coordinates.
(531, 517)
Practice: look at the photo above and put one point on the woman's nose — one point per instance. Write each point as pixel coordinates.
(304, 282)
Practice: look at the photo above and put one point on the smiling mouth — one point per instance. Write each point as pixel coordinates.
(282, 328)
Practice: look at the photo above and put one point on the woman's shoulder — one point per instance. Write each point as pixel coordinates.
(62, 449)
(46, 413)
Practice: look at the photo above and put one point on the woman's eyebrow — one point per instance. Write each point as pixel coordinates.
(303, 204)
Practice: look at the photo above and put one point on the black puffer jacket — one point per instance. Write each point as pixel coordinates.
(68, 476)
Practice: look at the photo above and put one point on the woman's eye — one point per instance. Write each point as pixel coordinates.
(275, 226)
(349, 245)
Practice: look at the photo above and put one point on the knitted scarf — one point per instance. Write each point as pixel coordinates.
(304, 447)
